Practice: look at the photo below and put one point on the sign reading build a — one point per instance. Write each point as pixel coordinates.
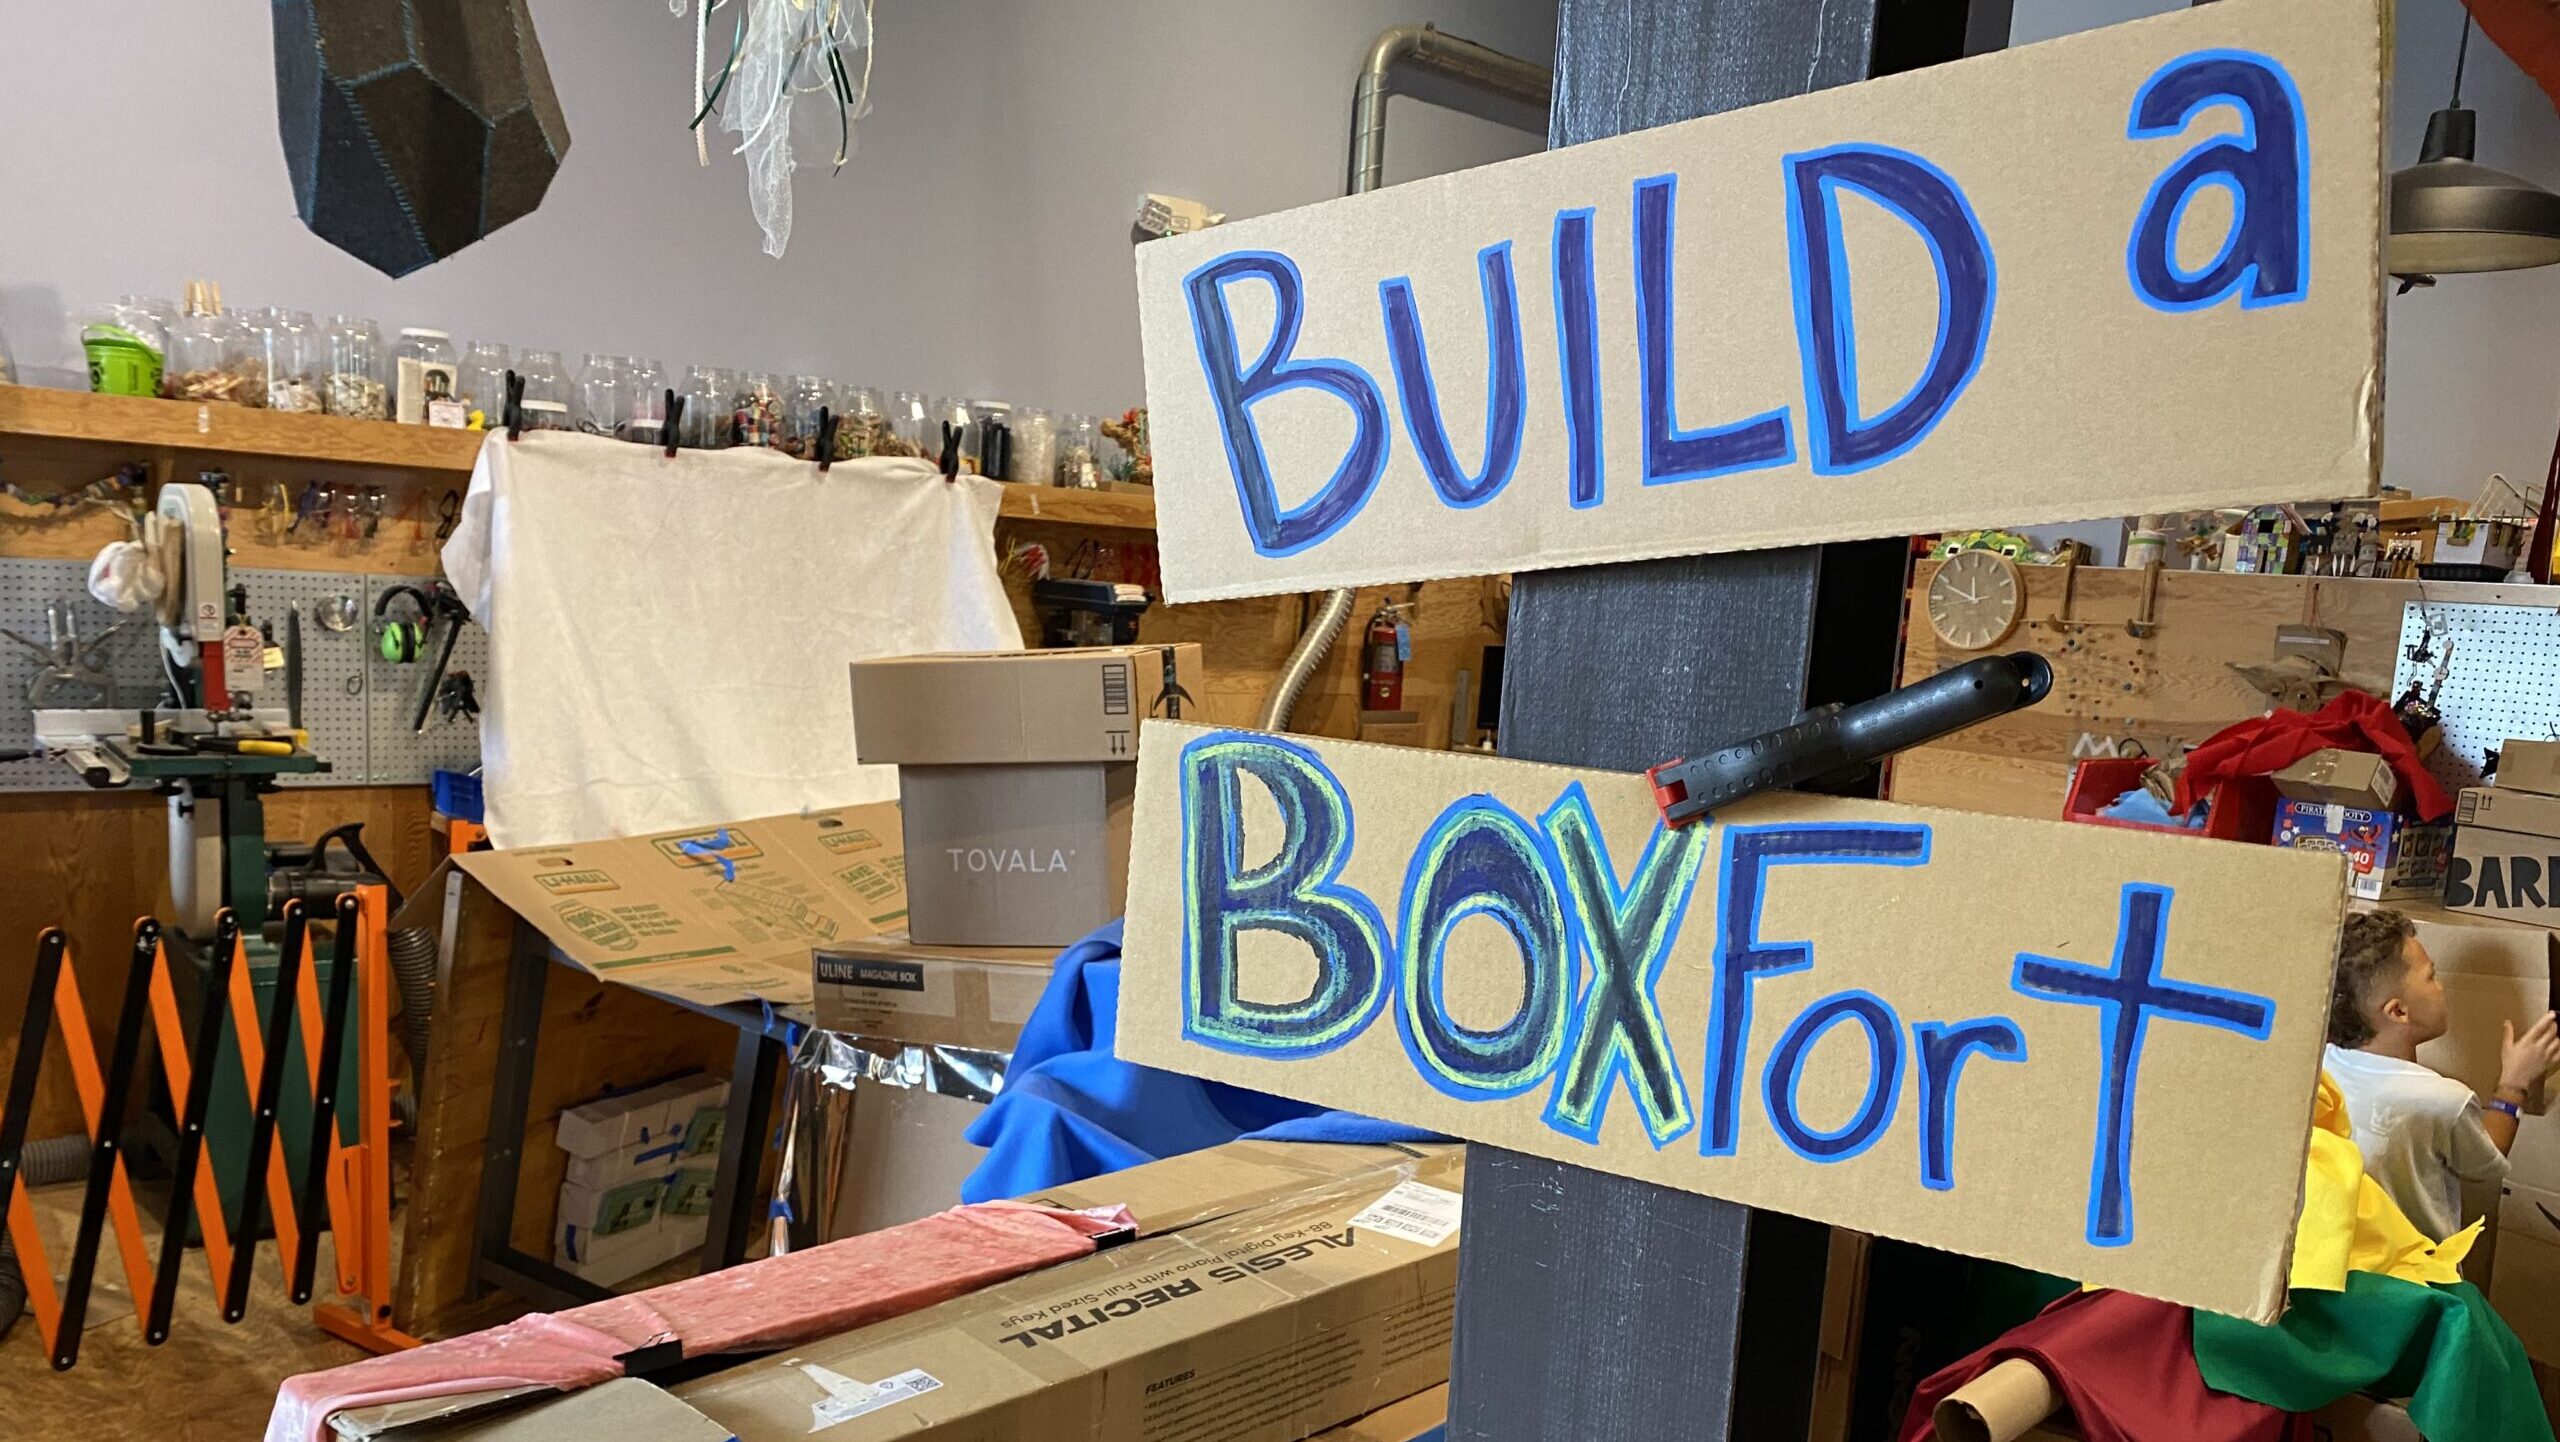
(2082, 1050)
(2132, 270)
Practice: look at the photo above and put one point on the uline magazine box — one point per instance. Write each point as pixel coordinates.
(1016, 770)
(1269, 1296)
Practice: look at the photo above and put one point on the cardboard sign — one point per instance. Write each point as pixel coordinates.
(714, 913)
(2135, 269)
(2078, 1049)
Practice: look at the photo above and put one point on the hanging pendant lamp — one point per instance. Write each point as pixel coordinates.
(2450, 215)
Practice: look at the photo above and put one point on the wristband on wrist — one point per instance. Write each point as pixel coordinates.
(2501, 1104)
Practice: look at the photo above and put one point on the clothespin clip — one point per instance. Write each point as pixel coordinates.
(673, 425)
(828, 420)
(1171, 698)
(515, 406)
(950, 452)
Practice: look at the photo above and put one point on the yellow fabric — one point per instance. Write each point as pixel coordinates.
(2349, 1224)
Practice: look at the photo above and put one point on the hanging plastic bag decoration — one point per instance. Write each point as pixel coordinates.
(778, 51)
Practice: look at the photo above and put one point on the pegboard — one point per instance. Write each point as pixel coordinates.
(2500, 672)
(355, 704)
(399, 755)
(133, 661)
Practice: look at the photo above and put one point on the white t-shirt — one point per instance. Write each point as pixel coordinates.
(2420, 1132)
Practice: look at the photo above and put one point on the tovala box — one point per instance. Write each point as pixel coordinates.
(2331, 776)
(2388, 855)
(1016, 770)
(1267, 1298)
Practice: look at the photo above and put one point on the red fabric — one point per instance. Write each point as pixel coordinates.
(2270, 743)
(2126, 1367)
(771, 1303)
(2529, 32)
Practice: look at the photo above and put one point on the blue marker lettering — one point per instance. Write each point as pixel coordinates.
(1943, 1048)
(1844, 439)
(1481, 859)
(1670, 453)
(1234, 387)
(1506, 383)
(1578, 353)
(2266, 257)
(1884, 1076)
(2127, 993)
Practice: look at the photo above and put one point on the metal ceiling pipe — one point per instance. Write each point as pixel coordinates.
(1464, 69)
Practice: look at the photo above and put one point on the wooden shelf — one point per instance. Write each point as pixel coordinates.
(1114, 508)
(150, 427)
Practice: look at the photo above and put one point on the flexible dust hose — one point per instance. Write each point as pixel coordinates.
(413, 969)
(1300, 668)
(54, 1161)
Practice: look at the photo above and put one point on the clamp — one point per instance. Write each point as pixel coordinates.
(1837, 738)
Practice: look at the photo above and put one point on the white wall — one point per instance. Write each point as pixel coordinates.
(2469, 384)
(977, 245)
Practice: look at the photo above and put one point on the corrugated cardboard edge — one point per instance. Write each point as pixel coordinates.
(2271, 1280)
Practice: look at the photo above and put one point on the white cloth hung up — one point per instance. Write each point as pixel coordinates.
(669, 637)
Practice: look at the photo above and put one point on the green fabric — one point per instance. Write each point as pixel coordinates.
(2463, 1371)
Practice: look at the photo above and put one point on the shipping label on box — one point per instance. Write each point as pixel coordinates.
(711, 914)
(2388, 855)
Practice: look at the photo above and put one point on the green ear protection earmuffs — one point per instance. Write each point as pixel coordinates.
(401, 639)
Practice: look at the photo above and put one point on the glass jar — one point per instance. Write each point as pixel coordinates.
(757, 410)
(990, 443)
(1080, 453)
(1035, 447)
(708, 409)
(296, 353)
(352, 383)
(909, 421)
(865, 425)
(597, 406)
(643, 407)
(208, 353)
(481, 383)
(426, 378)
(951, 411)
(150, 319)
(545, 379)
(802, 404)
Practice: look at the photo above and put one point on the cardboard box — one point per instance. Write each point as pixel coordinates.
(2493, 972)
(2333, 777)
(2462, 541)
(709, 914)
(1410, 1420)
(638, 1185)
(889, 988)
(2529, 766)
(1015, 781)
(2525, 1289)
(2388, 855)
(1255, 1321)
(2527, 813)
(2507, 874)
(625, 1409)
(974, 708)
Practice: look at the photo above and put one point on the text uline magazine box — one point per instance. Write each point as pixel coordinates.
(1016, 770)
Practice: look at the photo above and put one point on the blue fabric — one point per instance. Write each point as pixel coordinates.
(2140, 805)
(1070, 1109)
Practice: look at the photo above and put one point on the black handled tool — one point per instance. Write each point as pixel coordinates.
(314, 1203)
(262, 1122)
(203, 1050)
(1836, 737)
(105, 1146)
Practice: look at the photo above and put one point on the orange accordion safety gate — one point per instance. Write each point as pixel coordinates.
(346, 1187)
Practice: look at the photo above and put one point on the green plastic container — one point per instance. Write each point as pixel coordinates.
(120, 362)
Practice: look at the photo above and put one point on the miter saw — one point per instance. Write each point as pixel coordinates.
(209, 747)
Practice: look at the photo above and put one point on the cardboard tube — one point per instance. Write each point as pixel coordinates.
(1998, 1406)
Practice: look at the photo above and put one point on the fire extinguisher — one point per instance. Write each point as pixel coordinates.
(1382, 657)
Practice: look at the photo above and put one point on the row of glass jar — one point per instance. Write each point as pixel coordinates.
(284, 360)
